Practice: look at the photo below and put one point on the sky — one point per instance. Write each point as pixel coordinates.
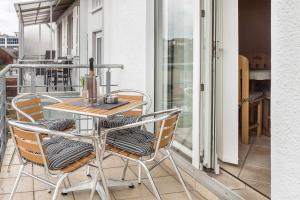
(8, 17)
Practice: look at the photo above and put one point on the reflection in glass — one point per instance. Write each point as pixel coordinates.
(175, 68)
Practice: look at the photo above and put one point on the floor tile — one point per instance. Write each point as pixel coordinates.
(7, 158)
(264, 188)
(18, 196)
(85, 195)
(25, 185)
(116, 174)
(156, 172)
(256, 174)
(228, 180)
(138, 192)
(259, 156)
(263, 140)
(179, 196)
(9, 150)
(44, 195)
(165, 185)
(248, 193)
(113, 161)
(14, 170)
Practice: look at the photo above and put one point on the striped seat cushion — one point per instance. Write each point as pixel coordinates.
(134, 141)
(116, 121)
(58, 124)
(62, 152)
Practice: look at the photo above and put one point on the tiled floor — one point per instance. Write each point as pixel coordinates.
(30, 189)
(254, 164)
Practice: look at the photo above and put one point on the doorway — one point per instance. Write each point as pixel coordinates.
(254, 166)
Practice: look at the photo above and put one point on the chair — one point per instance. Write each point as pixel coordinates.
(33, 149)
(129, 116)
(267, 113)
(147, 145)
(247, 99)
(29, 109)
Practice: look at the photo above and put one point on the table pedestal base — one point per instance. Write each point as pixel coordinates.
(87, 185)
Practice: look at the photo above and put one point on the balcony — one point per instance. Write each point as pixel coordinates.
(35, 78)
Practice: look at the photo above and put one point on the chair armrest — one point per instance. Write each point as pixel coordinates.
(156, 113)
(29, 127)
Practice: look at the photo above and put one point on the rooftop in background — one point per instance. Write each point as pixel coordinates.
(11, 52)
(38, 12)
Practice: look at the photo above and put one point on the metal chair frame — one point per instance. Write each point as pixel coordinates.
(157, 117)
(37, 131)
(146, 99)
(22, 113)
(146, 107)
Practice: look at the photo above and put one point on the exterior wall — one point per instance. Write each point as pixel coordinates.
(32, 46)
(285, 106)
(74, 11)
(125, 40)
(124, 35)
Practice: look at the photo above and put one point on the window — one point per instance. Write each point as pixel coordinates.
(11, 41)
(98, 49)
(2, 40)
(96, 4)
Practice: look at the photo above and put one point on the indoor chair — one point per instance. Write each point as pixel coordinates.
(247, 99)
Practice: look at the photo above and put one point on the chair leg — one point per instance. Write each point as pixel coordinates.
(60, 181)
(125, 169)
(11, 160)
(156, 193)
(259, 118)
(139, 174)
(94, 186)
(16, 183)
(179, 176)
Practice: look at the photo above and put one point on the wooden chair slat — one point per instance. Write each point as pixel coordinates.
(27, 135)
(36, 117)
(165, 141)
(32, 157)
(29, 102)
(170, 122)
(27, 145)
(34, 109)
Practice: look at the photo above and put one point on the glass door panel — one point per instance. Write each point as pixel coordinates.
(174, 73)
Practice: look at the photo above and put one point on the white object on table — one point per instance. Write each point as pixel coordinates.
(260, 75)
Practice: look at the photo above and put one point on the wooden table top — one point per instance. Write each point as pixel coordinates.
(66, 106)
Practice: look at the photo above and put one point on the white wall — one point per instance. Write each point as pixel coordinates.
(125, 40)
(32, 46)
(285, 106)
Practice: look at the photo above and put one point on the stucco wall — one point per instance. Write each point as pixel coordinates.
(285, 106)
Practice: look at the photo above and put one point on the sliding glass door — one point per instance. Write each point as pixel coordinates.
(175, 69)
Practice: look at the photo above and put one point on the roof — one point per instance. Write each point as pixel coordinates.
(38, 11)
(11, 52)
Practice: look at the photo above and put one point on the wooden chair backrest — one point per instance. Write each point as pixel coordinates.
(28, 145)
(243, 78)
(135, 112)
(168, 131)
(31, 107)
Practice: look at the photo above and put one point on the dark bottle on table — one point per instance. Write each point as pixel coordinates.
(92, 83)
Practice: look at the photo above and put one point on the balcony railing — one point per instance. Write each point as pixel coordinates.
(61, 80)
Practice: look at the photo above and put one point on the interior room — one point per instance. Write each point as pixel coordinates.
(254, 168)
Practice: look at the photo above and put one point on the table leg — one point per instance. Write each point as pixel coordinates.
(103, 185)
